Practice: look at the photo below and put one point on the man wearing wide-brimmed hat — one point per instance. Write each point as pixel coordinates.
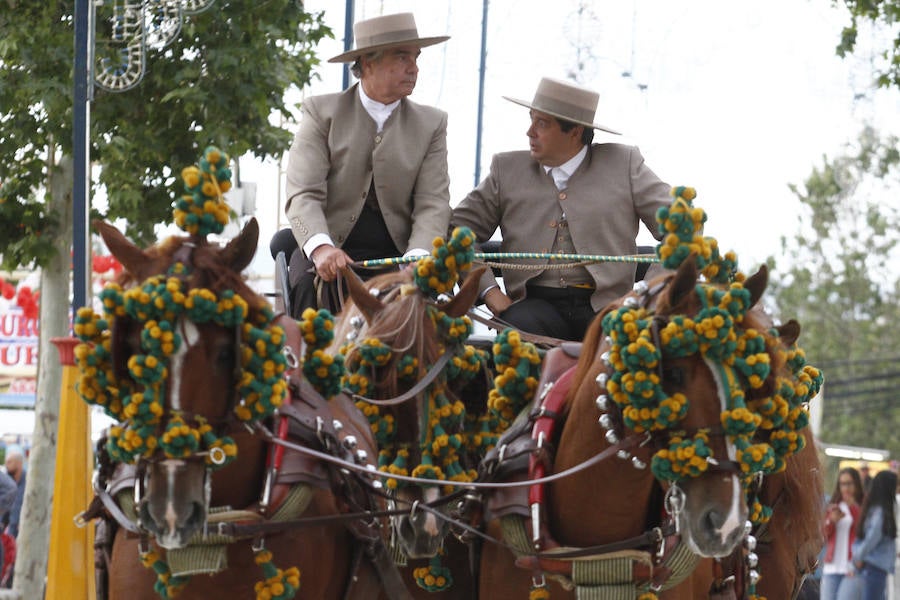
(564, 195)
(367, 173)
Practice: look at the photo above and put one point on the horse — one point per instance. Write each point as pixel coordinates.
(610, 526)
(211, 488)
(398, 345)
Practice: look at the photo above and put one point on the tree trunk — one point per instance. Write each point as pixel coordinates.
(34, 534)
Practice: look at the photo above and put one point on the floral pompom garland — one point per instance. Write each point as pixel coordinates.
(203, 210)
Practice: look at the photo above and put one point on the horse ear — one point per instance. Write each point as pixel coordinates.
(468, 293)
(131, 257)
(684, 280)
(757, 283)
(240, 251)
(367, 304)
(789, 332)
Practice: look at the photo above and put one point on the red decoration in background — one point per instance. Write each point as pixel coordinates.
(102, 264)
(28, 302)
(7, 289)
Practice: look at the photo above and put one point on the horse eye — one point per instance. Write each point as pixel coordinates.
(225, 355)
(673, 375)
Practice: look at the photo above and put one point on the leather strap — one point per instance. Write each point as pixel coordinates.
(415, 390)
(499, 325)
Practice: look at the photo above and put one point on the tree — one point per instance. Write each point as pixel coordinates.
(880, 14)
(843, 286)
(220, 81)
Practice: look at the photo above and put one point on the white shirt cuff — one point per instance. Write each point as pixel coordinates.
(318, 239)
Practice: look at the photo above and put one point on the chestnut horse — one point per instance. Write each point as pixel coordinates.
(615, 515)
(390, 311)
(215, 506)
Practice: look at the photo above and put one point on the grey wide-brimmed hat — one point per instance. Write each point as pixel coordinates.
(388, 31)
(567, 101)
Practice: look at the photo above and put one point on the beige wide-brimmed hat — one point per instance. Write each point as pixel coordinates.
(565, 100)
(388, 31)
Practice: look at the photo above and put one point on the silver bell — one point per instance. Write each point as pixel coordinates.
(638, 463)
(631, 302)
(352, 335)
(748, 527)
(356, 321)
(611, 437)
(753, 577)
(640, 287)
(606, 421)
(602, 402)
(350, 442)
(602, 378)
(608, 340)
(623, 454)
(605, 358)
(751, 542)
(752, 560)
(361, 456)
(337, 425)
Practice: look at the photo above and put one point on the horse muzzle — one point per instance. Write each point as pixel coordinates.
(421, 532)
(713, 523)
(176, 501)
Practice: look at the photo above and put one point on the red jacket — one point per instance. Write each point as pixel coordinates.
(830, 534)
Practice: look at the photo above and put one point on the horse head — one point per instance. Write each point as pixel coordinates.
(397, 336)
(176, 344)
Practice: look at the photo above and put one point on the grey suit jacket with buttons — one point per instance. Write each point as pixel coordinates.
(605, 200)
(336, 153)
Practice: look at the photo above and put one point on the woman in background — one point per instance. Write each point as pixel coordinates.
(841, 516)
(875, 546)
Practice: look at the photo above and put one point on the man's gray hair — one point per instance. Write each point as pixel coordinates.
(356, 67)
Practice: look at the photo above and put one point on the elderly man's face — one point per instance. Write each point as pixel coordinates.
(393, 76)
(549, 144)
(14, 465)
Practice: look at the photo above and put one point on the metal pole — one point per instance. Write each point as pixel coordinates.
(81, 154)
(481, 69)
(348, 39)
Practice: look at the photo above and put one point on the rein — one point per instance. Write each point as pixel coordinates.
(624, 444)
(415, 390)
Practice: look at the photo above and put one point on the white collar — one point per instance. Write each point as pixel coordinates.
(378, 111)
(562, 173)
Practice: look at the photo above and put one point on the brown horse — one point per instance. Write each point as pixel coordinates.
(213, 500)
(612, 508)
(389, 310)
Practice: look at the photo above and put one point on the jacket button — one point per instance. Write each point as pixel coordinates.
(552, 224)
(562, 195)
(377, 139)
(352, 218)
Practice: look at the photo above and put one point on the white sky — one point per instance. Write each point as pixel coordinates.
(740, 98)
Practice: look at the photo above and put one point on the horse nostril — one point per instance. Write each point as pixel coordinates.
(714, 519)
(197, 515)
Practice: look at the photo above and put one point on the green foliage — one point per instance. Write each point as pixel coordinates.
(840, 280)
(880, 14)
(222, 81)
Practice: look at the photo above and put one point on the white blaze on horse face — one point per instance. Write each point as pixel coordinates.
(430, 495)
(171, 514)
(735, 519)
(190, 335)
